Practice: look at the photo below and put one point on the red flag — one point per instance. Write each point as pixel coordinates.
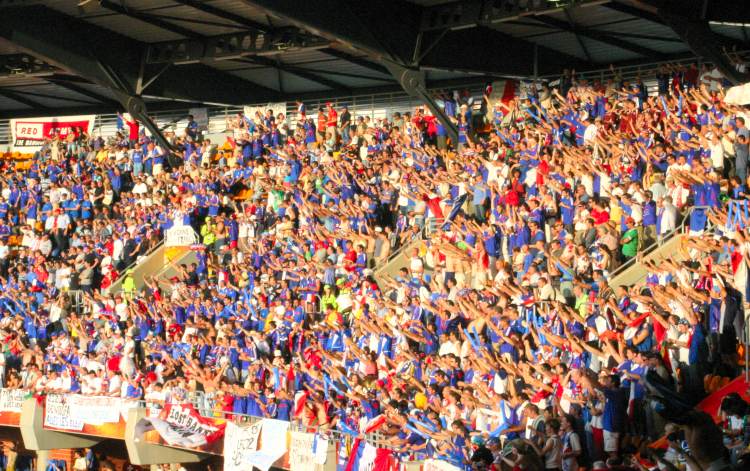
(712, 403)
(290, 375)
(374, 423)
(509, 91)
(385, 461)
(299, 403)
(639, 320)
(631, 400)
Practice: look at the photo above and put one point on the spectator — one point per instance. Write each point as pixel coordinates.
(504, 315)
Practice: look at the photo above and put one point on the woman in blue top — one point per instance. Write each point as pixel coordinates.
(463, 130)
(737, 189)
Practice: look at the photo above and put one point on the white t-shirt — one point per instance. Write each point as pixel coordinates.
(590, 133)
(717, 155)
(80, 464)
(114, 385)
(572, 442)
(712, 79)
(156, 396)
(129, 350)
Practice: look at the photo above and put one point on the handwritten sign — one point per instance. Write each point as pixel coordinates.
(239, 441)
(57, 414)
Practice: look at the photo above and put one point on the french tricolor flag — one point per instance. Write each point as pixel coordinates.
(299, 402)
(374, 423)
(366, 457)
(631, 400)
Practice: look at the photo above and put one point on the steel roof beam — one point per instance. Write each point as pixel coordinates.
(601, 37)
(231, 46)
(697, 33)
(617, 5)
(18, 97)
(360, 61)
(516, 60)
(218, 12)
(414, 84)
(634, 11)
(65, 83)
(298, 71)
(471, 13)
(23, 64)
(146, 18)
(51, 97)
(578, 37)
(383, 33)
(153, 106)
(75, 45)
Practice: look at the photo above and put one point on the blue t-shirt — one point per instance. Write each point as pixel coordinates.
(613, 418)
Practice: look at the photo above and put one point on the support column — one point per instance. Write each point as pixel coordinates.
(698, 35)
(137, 109)
(42, 457)
(142, 453)
(135, 106)
(36, 437)
(412, 81)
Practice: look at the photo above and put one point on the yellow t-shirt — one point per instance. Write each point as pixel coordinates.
(615, 213)
(333, 319)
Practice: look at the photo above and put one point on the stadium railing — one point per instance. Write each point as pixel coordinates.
(621, 274)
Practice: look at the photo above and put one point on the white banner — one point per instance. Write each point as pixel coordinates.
(11, 400)
(200, 115)
(182, 426)
(274, 434)
(739, 95)
(180, 236)
(367, 458)
(239, 441)
(320, 449)
(263, 459)
(276, 108)
(28, 134)
(301, 457)
(57, 413)
(436, 465)
(94, 410)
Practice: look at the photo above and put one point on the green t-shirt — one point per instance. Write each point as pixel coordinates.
(582, 305)
(128, 284)
(630, 248)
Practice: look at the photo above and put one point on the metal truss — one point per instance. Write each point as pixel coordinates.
(232, 46)
(24, 64)
(469, 13)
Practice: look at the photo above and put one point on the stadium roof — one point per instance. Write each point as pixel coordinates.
(95, 55)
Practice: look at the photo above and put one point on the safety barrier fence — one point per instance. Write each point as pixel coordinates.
(193, 421)
(681, 228)
(375, 106)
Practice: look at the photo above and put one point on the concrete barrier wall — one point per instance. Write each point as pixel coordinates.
(638, 272)
(32, 438)
(147, 267)
(400, 260)
(156, 264)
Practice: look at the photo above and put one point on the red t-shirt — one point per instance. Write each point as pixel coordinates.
(132, 130)
(434, 205)
(599, 217)
(333, 118)
(321, 121)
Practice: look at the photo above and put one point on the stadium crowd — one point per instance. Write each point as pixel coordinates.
(501, 343)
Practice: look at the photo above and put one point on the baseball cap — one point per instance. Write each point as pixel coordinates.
(477, 440)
